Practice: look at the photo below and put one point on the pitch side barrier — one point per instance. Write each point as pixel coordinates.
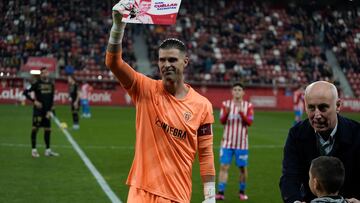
(265, 98)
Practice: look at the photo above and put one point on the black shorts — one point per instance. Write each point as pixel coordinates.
(39, 119)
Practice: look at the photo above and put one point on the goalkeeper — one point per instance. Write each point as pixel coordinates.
(173, 123)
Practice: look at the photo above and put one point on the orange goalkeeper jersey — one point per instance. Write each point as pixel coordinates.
(169, 132)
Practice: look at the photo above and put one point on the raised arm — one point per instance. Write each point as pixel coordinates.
(123, 72)
(248, 118)
(224, 113)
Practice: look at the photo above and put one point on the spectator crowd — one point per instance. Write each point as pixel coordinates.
(255, 42)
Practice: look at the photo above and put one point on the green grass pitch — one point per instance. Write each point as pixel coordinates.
(108, 139)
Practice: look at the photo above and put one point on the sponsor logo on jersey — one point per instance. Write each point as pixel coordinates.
(175, 132)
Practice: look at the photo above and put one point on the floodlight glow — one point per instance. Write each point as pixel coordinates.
(35, 72)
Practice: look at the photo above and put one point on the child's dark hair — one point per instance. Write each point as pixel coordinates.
(173, 43)
(330, 173)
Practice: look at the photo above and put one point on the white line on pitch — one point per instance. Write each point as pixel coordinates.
(104, 186)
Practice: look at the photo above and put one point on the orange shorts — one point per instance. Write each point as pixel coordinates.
(141, 196)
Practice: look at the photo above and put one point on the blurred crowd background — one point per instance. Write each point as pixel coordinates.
(264, 43)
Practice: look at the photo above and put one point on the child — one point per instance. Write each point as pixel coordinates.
(327, 176)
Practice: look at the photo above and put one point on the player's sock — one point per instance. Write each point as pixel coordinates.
(47, 138)
(75, 118)
(242, 186)
(221, 187)
(33, 138)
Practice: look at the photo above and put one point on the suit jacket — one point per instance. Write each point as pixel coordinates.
(301, 148)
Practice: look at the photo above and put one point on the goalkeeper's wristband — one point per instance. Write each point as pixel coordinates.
(209, 190)
(117, 33)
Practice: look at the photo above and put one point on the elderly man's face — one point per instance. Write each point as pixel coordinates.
(321, 108)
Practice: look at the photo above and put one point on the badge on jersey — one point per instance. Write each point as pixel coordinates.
(152, 12)
(187, 116)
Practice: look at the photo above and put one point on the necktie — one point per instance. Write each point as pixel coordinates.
(326, 148)
(323, 149)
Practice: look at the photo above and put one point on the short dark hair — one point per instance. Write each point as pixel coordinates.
(173, 43)
(43, 68)
(330, 173)
(238, 84)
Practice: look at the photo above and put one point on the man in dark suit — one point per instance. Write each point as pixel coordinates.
(327, 133)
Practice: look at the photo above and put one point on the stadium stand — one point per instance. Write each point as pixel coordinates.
(253, 41)
(74, 32)
(257, 42)
(342, 35)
